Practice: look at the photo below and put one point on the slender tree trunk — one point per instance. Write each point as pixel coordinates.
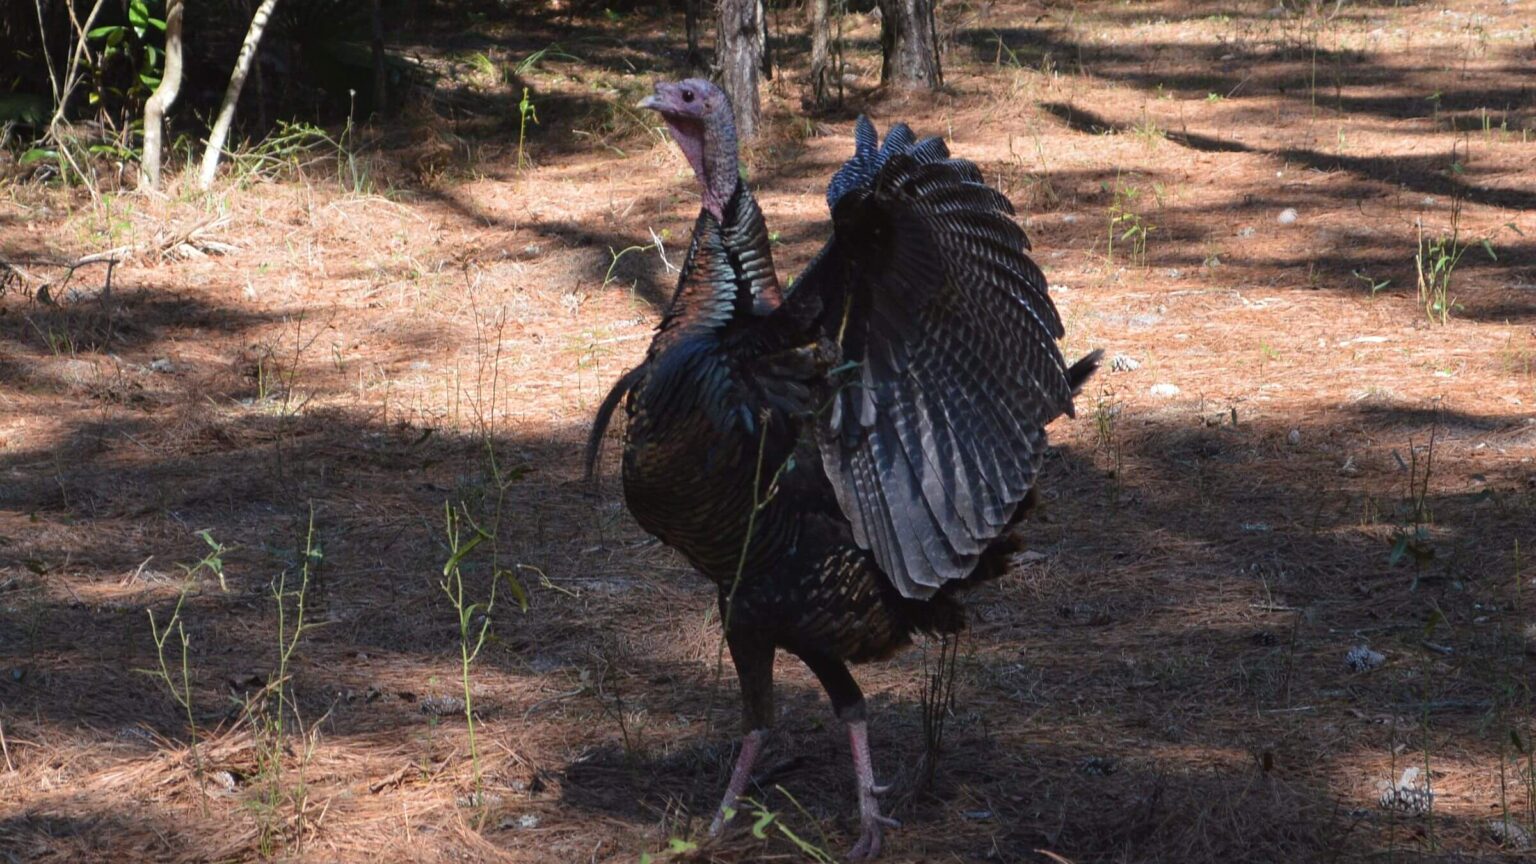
(909, 44)
(691, 10)
(380, 93)
(232, 93)
(163, 98)
(739, 52)
(821, 53)
(765, 45)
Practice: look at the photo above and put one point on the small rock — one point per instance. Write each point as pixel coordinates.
(1293, 437)
(1363, 659)
(978, 815)
(1246, 231)
(1257, 527)
(1287, 216)
(528, 820)
(1123, 363)
(161, 364)
(1165, 390)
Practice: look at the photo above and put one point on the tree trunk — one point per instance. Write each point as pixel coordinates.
(821, 53)
(232, 93)
(909, 44)
(164, 97)
(739, 52)
(691, 11)
(380, 85)
(765, 45)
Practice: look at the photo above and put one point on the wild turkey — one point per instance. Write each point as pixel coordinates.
(841, 454)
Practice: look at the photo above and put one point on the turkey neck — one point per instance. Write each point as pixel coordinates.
(727, 277)
(710, 147)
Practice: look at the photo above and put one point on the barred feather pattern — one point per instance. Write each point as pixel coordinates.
(888, 412)
(936, 437)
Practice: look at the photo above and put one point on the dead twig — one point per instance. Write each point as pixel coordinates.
(6, 749)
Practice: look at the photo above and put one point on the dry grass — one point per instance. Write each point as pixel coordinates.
(1163, 680)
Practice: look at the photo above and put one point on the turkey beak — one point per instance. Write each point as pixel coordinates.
(649, 102)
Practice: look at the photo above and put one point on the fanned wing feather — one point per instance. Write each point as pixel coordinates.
(934, 437)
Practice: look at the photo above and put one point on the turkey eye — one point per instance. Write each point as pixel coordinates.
(687, 95)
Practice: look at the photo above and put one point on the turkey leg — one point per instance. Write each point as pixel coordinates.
(753, 656)
(751, 746)
(848, 703)
(872, 823)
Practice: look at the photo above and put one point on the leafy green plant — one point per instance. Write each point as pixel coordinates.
(1435, 262)
(525, 113)
(551, 51)
(1375, 286)
(130, 45)
(1149, 132)
(295, 147)
(464, 535)
(1126, 224)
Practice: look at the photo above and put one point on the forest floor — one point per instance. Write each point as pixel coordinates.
(1288, 460)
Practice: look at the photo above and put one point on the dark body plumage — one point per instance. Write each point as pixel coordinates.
(708, 402)
(840, 456)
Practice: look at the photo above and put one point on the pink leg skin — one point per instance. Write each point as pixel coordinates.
(751, 746)
(871, 822)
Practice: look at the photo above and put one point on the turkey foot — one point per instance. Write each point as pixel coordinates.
(751, 746)
(872, 823)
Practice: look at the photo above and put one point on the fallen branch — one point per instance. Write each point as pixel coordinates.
(188, 242)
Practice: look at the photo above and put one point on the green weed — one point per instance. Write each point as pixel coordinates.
(179, 683)
(525, 113)
(1127, 225)
(268, 710)
(464, 535)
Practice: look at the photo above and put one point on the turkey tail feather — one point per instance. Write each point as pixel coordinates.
(620, 389)
(1081, 371)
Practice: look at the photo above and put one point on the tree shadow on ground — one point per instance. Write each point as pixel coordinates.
(1085, 654)
(1426, 174)
(1285, 69)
